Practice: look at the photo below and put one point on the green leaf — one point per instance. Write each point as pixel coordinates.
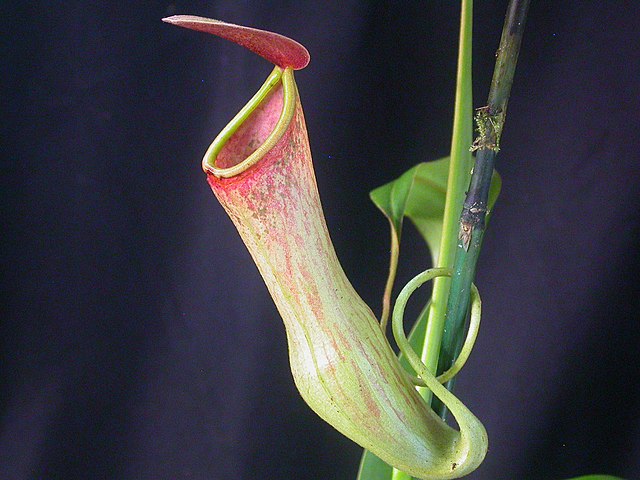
(372, 468)
(420, 194)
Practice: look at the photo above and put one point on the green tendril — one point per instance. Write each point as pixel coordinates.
(403, 342)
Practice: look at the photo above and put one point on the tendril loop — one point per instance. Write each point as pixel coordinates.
(403, 343)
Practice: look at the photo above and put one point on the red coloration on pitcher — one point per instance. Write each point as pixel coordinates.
(341, 361)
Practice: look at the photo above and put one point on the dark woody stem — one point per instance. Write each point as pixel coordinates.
(489, 121)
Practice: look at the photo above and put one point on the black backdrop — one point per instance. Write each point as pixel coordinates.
(138, 341)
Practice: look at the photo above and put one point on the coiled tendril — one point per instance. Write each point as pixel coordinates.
(403, 343)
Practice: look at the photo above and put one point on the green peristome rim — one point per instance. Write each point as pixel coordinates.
(288, 108)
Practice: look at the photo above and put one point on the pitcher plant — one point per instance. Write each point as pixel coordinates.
(260, 169)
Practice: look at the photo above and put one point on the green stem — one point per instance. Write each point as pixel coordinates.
(461, 161)
(490, 121)
(459, 166)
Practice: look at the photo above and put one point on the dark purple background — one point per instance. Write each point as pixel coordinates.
(138, 341)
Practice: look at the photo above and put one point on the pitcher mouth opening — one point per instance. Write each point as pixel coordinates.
(256, 129)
